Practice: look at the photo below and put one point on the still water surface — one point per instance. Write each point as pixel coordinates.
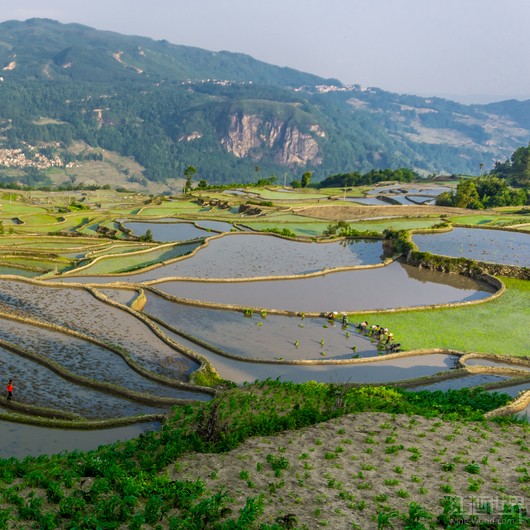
(397, 285)
(492, 246)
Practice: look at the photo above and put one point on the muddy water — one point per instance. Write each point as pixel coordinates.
(165, 232)
(493, 246)
(462, 382)
(19, 440)
(396, 285)
(273, 337)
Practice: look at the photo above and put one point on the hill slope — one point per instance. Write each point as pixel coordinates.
(231, 116)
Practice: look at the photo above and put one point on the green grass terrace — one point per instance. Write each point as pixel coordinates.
(499, 326)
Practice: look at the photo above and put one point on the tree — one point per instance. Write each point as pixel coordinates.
(467, 196)
(188, 173)
(148, 236)
(306, 177)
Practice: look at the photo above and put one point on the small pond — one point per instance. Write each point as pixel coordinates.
(492, 246)
(19, 440)
(397, 285)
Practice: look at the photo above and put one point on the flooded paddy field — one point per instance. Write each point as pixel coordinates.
(498, 364)
(462, 382)
(38, 385)
(248, 255)
(481, 244)
(164, 231)
(254, 255)
(396, 285)
(79, 310)
(82, 358)
(122, 296)
(129, 262)
(106, 329)
(19, 440)
(377, 370)
(365, 200)
(409, 189)
(272, 337)
(217, 226)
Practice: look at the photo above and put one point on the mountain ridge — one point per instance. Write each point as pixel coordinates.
(169, 106)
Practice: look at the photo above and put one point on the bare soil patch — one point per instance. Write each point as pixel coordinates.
(345, 212)
(339, 473)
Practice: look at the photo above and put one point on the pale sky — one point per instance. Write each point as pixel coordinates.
(467, 50)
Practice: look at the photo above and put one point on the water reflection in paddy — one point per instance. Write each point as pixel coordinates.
(396, 285)
(164, 231)
(513, 391)
(269, 338)
(487, 362)
(462, 382)
(248, 255)
(218, 226)
(19, 440)
(493, 246)
(122, 296)
(365, 200)
(403, 189)
(379, 371)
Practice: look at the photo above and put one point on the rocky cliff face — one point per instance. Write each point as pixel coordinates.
(250, 135)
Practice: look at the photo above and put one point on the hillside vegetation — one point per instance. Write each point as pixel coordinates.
(229, 115)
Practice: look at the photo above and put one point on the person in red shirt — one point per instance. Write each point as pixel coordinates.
(9, 389)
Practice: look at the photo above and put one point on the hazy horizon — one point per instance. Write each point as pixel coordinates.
(473, 51)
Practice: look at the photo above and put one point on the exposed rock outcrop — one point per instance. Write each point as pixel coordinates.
(250, 135)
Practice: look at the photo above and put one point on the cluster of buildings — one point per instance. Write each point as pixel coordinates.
(17, 158)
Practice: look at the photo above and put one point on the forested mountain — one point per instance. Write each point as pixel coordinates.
(68, 92)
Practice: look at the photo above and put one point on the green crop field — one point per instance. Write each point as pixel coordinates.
(116, 264)
(499, 326)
